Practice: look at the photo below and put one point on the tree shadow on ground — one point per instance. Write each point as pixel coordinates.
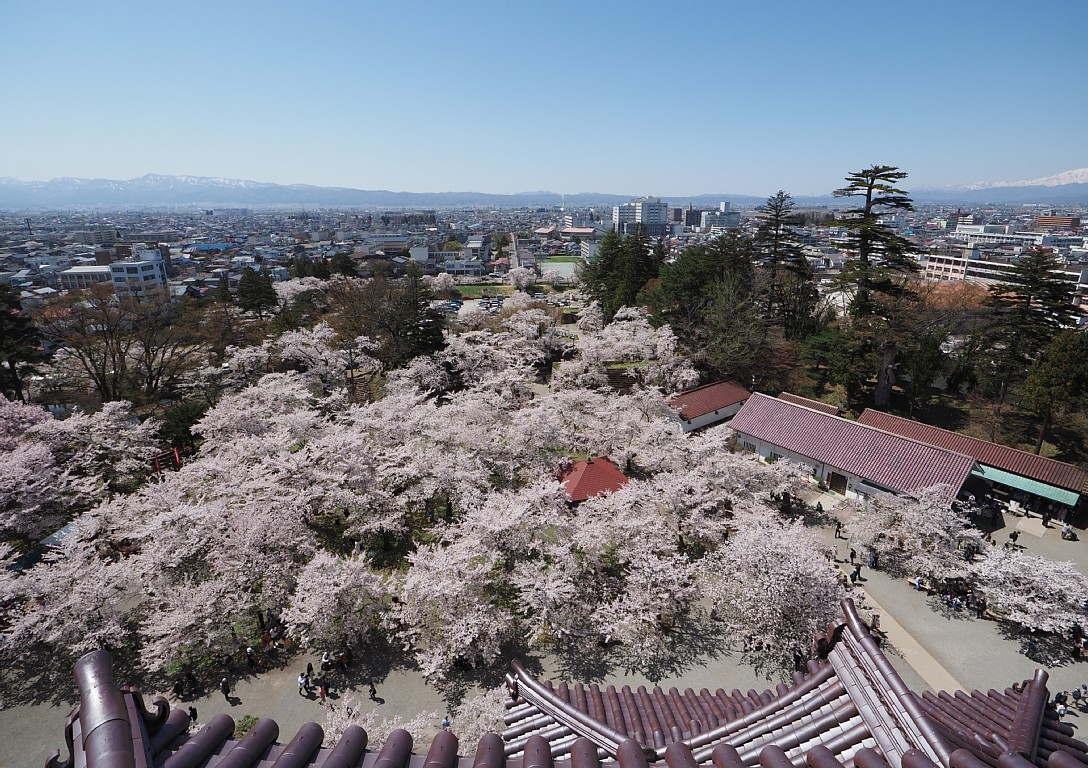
(1043, 648)
(942, 606)
(697, 638)
(371, 666)
(462, 677)
(47, 683)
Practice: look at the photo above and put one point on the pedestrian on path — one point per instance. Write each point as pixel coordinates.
(853, 555)
(303, 684)
(838, 523)
(224, 686)
(321, 691)
(192, 714)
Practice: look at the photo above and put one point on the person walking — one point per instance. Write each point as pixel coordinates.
(321, 691)
(838, 523)
(303, 684)
(224, 686)
(192, 715)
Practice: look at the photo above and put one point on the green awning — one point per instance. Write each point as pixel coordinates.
(1035, 487)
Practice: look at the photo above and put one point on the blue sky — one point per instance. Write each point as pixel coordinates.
(608, 96)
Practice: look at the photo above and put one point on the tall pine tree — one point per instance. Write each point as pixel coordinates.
(1031, 306)
(877, 273)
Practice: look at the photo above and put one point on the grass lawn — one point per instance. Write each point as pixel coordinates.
(560, 259)
(476, 291)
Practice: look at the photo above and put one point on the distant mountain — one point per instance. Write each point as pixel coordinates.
(156, 190)
(1069, 187)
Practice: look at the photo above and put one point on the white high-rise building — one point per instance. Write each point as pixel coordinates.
(648, 214)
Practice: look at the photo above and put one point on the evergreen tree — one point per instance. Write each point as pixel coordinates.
(1058, 380)
(417, 328)
(20, 345)
(881, 256)
(342, 264)
(788, 294)
(621, 269)
(256, 292)
(301, 266)
(1031, 306)
(222, 291)
(878, 271)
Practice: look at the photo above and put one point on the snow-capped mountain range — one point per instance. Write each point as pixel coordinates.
(157, 190)
(1079, 176)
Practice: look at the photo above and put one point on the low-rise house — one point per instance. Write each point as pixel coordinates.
(709, 404)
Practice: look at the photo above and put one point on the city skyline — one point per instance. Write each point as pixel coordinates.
(431, 97)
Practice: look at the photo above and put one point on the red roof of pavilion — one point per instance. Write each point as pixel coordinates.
(592, 477)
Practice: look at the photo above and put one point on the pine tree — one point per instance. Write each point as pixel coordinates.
(621, 269)
(20, 345)
(256, 291)
(877, 274)
(222, 291)
(1031, 306)
(788, 294)
(417, 327)
(1057, 381)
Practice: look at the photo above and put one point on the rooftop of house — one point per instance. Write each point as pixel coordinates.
(708, 398)
(1019, 462)
(592, 477)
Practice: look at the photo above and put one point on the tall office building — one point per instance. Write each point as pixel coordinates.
(646, 214)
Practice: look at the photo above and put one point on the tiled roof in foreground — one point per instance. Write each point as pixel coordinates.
(849, 709)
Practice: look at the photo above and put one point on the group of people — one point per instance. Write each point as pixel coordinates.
(1062, 700)
(308, 681)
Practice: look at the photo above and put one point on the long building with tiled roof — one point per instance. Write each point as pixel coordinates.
(816, 405)
(848, 709)
(1054, 480)
(852, 458)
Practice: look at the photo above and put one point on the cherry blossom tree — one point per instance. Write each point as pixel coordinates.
(1034, 592)
(911, 537)
(112, 445)
(521, 277)
(339, 602)
(443, 282)
(773, 588)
